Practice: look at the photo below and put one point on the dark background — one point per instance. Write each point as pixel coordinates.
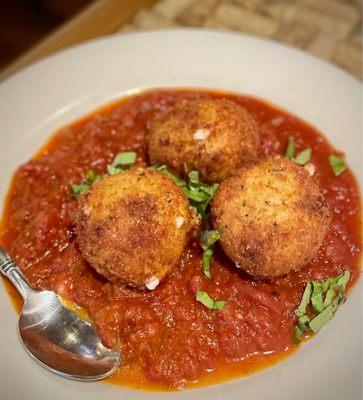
(25, 22)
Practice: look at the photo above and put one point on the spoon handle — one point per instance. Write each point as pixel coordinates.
(12, 271)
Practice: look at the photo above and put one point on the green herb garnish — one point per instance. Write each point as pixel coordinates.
(324, 299)
(302, 158)
(122, 162)
(163, 168)
(290, 151)
(301, 310)
(321, 319)
(337, 164)
(207, 240)
(317, 297)
(298, 334)
(303, 323)
(328, 313)
(79, 189)
(329, 282)
(199, 194)
(206, 262)
(207, 301)
(91, 177)
(344, 279)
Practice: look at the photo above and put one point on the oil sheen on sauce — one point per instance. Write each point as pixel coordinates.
(167, 339)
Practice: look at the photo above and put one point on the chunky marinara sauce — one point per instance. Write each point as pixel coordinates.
(169, 340)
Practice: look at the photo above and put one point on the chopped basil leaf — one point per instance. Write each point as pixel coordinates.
(79, 189)
(298, 334)
(125, 158)
(122, 162)
(193, 177)
(207, 241)
(321, 319)
(206, 262)
(290, 151)
(325, 298)
(207, 301)
(317, 297)
(195, 194)
(219, 304)
(330, 282)
(208, 238)
(334, 286)
(339, 299)
(199, 194)
(303, 323)
(303, 157)
(305, 300)
(111, 170)
(331, 294)
(163, 168)
(91, 177)
(344, 279)
(337, 164)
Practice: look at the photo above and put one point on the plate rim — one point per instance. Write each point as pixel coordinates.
(138, 32)
(345, 75)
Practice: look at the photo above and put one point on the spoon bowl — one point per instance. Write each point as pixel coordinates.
(54, 336)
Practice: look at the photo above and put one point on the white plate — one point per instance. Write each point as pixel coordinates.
(40, 99)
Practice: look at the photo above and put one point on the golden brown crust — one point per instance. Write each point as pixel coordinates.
(273, 217)
(213, 137)
(133, 226)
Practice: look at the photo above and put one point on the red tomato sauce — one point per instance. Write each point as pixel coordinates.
(168, 340)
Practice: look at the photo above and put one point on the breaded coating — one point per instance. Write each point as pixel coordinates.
(213, 137)
(133, 226)
(273, 217)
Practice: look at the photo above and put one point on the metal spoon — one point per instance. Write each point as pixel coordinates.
(55, 337)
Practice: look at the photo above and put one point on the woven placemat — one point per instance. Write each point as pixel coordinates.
(329, 29)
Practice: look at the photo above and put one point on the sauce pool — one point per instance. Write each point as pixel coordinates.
(169, 340)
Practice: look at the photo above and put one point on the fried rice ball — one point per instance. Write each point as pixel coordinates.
(273, 217)
(132, 227)
(213, 137)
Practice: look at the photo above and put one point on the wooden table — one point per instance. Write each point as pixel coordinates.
(329, 29)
